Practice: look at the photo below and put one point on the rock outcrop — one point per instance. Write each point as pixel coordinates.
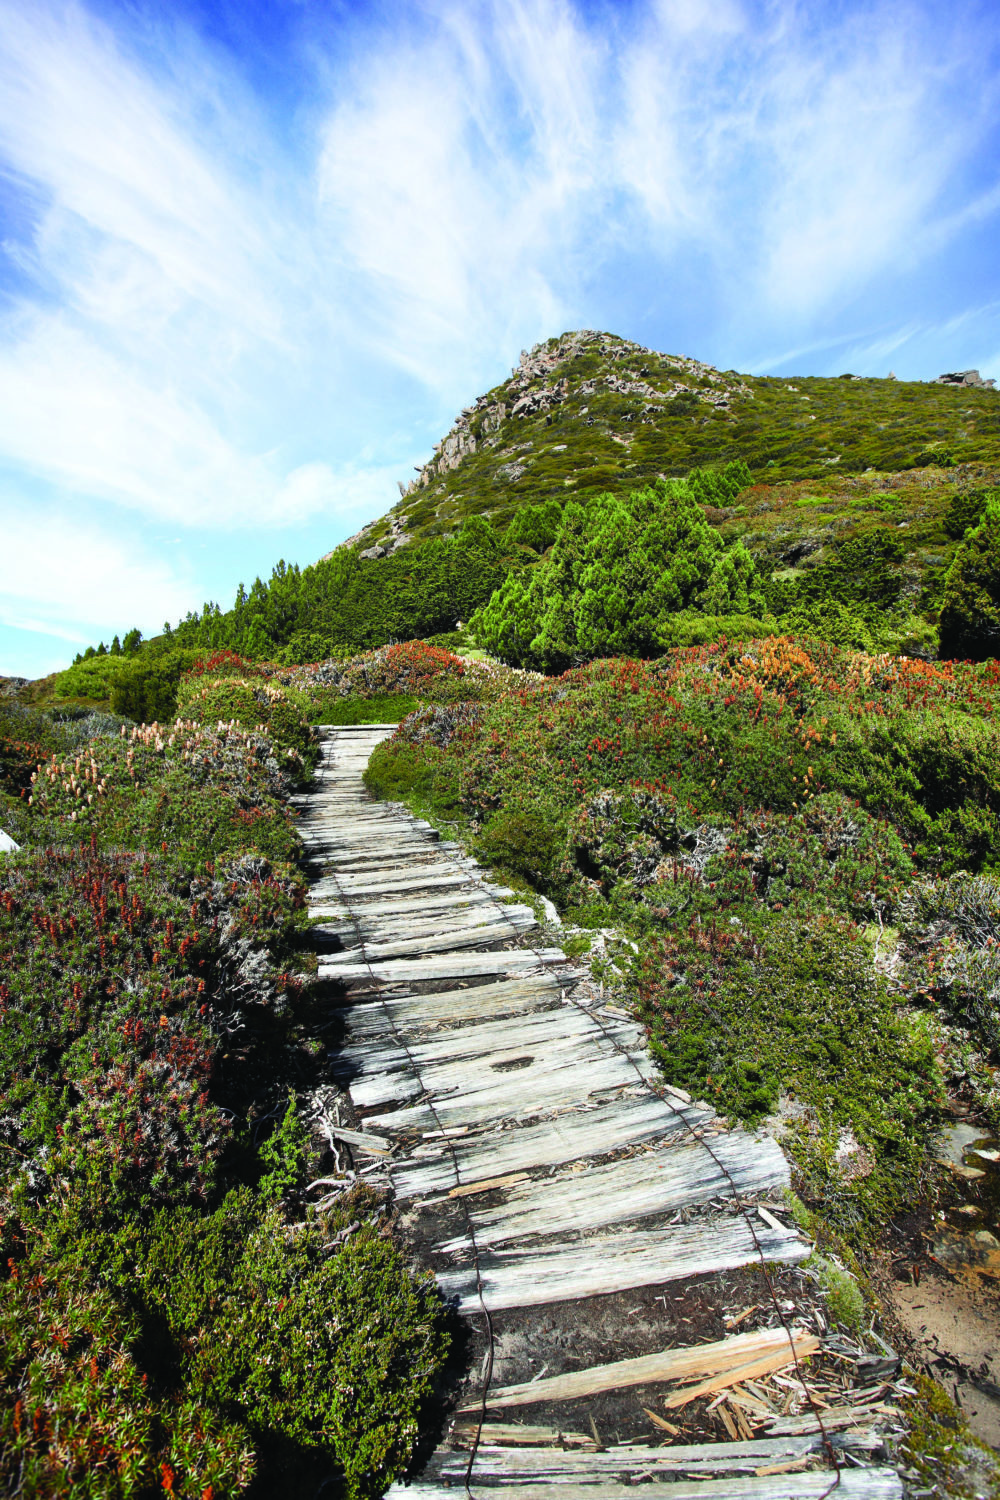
(966, 377)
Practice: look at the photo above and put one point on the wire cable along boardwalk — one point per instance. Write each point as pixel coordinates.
(537, 1163)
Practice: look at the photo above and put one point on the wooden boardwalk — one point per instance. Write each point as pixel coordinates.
(534, 1157)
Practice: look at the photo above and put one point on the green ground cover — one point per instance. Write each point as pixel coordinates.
(175, 1318)
(758, 819)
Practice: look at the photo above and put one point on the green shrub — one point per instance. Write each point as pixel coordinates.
(534, 526)
(192, 1350)
(970, 608)
(965, 510)
(520, 842)
(145, 687)
(618, 569)
(740, 1015)
(93, 679)
(381, 709)
(174, 1317)
(254, 704)
(844, 1301)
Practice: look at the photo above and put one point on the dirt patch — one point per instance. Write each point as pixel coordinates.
(945, 1287)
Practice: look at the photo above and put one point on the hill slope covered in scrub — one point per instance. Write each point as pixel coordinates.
(588, 412)
(831, 464)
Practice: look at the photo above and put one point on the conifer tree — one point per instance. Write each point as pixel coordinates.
(970, 611)
(620, 566)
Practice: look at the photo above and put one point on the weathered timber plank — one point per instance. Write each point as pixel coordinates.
(460, 1099)
(688, 1362)
(813, 1484)
(506, 1460)
(418, 944)
(426, 1013)
(651, 1183)
(413, 924)
(429, 902)
(384, 887)
(497, 1068)
(568, 1137)
(393, 970)
(483, 1041)
(613, 1263)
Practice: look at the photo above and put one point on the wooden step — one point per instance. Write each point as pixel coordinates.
(572, 1135)
(392, 971)
(704, 1471)
(596, 1264)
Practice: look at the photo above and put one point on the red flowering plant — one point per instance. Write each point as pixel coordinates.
(165, 1327)
(753, 816)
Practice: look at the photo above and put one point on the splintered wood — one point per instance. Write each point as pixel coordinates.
(771, 1347)
(523, 1131)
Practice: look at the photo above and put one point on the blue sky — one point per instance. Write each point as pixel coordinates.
(256, 256)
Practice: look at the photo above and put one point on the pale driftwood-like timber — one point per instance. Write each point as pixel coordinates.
(526, 1143)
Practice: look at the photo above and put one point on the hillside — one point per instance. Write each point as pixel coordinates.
(589, 412)
(899, 468)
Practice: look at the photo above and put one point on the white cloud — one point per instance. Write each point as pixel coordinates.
(66, 578)
(118, 156)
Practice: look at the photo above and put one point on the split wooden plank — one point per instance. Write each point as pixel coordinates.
(376, 1144)
(854, 1484)
(752, 1469)
(376, 927)
(686, 1363)
(537, 1067)
(506, 1462)
(569, 1137)
(652, 1183)
(533, 1086)
(395, 970)
(469, 1189)
(400, 875)
(482, 935)
(511, 1434)
(752, 1370)
(417, 1014)
(326, 893)
(482, 1041)
(597, 1264)
(444, 877)
(832, 1419)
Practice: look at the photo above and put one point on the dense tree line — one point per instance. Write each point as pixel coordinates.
(604, 575)
(354, 602)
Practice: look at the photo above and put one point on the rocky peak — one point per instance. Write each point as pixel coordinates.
(539, 382)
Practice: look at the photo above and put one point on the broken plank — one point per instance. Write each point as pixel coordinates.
(453, 941)
(686, 1363)
(853, 1484)
(509, 1434)
(651, 1183)
(569, 1136)
(797, 1348)
(467, 1189)
(376, 1144)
